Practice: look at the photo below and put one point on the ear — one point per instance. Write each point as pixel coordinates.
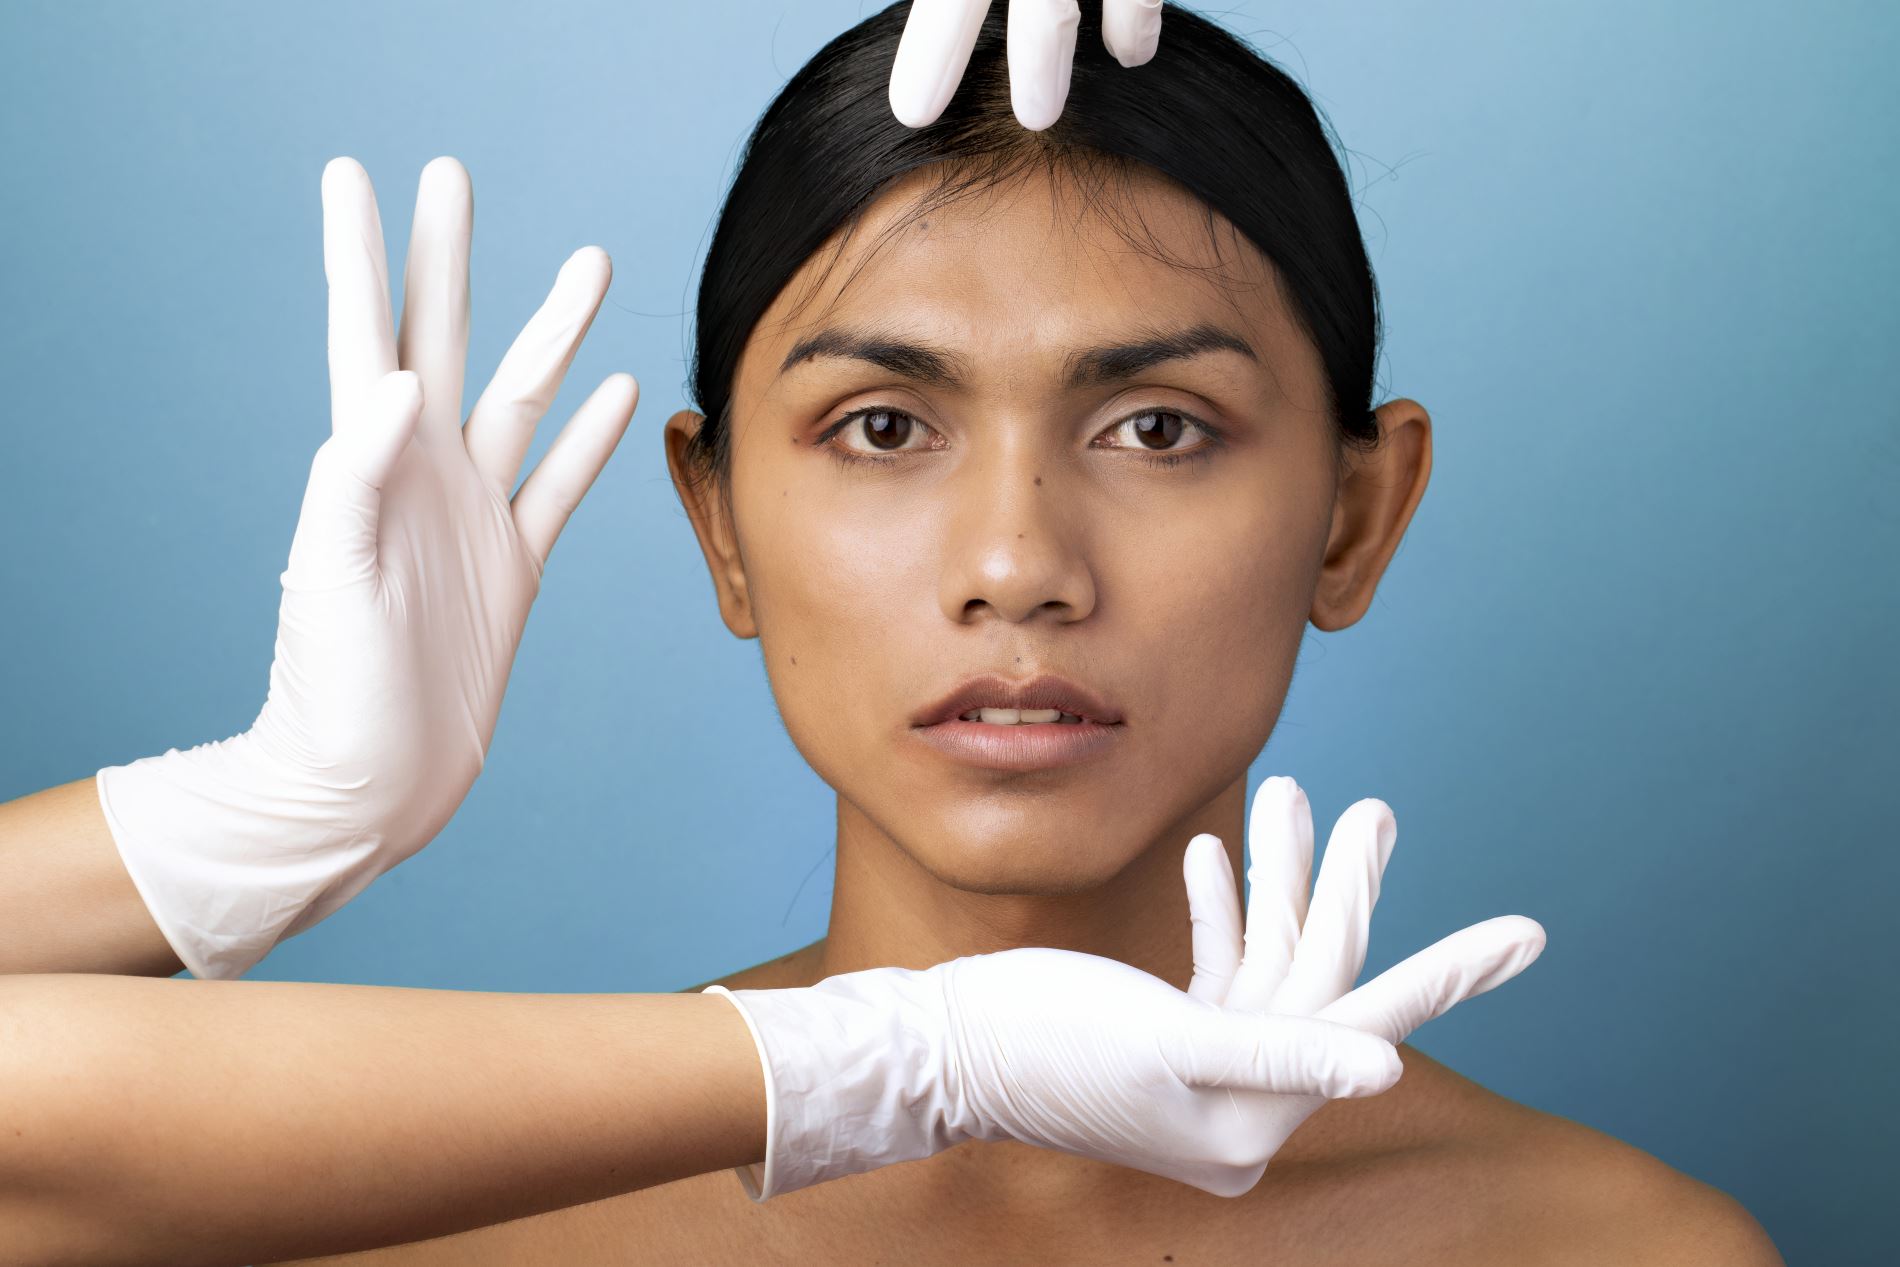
(1374, 506)
(706, 505)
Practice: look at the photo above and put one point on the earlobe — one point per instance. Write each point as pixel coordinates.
(1371, 512)
(702, 499)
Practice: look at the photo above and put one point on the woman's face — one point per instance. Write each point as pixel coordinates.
(1092, 463)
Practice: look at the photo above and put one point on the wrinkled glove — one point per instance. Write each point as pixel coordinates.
(1091, 1056)
(939, 35)
(1050, 1047)
(410, 577)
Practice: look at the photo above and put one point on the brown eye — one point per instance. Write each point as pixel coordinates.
(889, 432)
(1157, 428)
(886, 428)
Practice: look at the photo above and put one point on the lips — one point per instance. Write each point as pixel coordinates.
(1047, 690)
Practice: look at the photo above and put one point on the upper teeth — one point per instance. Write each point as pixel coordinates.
(1019, 716)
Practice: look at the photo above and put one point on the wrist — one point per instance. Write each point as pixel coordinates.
(231, 851)
(859, 1074)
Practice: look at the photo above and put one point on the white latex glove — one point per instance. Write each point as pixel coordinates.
(1091, 1056)
(939, 36)
(1050, 1047)
(1299, 962)
(410, 577)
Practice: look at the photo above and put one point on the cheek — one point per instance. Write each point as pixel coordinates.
(1219, 611)
(840, 595)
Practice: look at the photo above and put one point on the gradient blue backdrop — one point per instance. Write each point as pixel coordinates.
(1632, 672)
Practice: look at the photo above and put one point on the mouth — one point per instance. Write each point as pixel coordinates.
(1045, 722)
(1045, 699)
(1022, 717)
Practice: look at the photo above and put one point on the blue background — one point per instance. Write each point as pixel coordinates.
(1632, 672)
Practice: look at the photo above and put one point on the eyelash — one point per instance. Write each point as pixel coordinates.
(1163, 458)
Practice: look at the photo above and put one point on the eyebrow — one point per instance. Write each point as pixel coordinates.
(1085, 367)
(917, 361)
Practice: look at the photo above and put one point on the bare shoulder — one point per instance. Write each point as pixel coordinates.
(1573, 1194)
(1626, 1205)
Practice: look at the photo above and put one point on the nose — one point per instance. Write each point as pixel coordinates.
(1013, 546)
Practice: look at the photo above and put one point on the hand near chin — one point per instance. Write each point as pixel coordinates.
(1097, 1058)
(1299, 961)
(409, 581)
(1092, 1056)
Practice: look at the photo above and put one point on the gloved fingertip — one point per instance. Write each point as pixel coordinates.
(401, 387)
(340, 170)
(1391, 1069)
(1358, 1063)
(625, 383)
(590, 264)
(444, 170)
(912, 108)
(1201, 843)
(1359, 1080)
(1131, 30)
(1037, 115)
(1208, 871)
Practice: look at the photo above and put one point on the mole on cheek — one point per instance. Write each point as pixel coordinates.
(1039, 481)
(794, 659)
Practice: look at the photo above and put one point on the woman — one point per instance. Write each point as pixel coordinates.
(1079, 357)
(1090, 403)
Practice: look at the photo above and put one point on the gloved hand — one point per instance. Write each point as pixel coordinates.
(1091, 1056)
(1049, 1047)
(939, 35)
(409, 581)
(1300, 962)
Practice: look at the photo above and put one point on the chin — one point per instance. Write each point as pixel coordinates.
(1022, 860)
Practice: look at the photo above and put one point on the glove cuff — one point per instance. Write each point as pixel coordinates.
(229, 855)
(857, 1076)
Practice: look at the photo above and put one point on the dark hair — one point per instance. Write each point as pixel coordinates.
(1207, 112)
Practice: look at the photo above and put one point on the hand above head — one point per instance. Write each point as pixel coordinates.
(408, 585)
(939, 35)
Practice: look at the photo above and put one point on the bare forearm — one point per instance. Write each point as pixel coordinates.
(179, 1121)
(67, 903)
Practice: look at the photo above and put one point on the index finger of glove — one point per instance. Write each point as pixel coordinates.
(362, 337)
(1280, 841)
(932, 54)
(1430, 983)
(1291, 1055)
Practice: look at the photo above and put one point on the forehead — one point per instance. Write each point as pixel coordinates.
(1017, 274)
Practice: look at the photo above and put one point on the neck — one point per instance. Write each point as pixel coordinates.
(887, 910)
